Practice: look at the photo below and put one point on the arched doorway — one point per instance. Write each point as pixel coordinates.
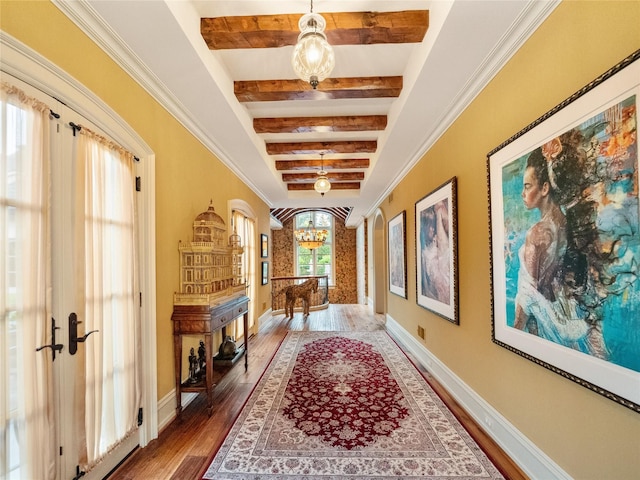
(379, 277)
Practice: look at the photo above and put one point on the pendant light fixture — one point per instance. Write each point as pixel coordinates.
(313, 58)
(322, 185)
(310, 237)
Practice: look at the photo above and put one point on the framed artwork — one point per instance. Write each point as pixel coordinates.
(565, 237)
(437, 251)
(397, 255)
(265, 273)
(264, 245)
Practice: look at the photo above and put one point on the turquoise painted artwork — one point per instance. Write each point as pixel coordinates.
(572, 238)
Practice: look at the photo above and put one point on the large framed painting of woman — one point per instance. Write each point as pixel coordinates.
(437, 251)
(565, 237)
(397, 252)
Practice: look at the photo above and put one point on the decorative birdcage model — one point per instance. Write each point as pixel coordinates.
(210, 266)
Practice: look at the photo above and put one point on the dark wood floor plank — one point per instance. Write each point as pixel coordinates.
(195, 435)
(189, 468)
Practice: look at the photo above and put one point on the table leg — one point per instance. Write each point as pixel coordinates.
(177, 350)
(208, 348)
(245, 322)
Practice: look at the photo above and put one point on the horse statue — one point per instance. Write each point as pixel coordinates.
(303, 291)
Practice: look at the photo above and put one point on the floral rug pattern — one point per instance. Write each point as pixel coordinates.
(337, 405)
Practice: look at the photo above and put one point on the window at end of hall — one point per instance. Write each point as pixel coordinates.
(318, 261)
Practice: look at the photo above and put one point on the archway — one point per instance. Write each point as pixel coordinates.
(379, 276)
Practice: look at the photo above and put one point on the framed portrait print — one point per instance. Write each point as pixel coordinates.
(397, 252)
(264, 245)
(565, 237)
(265, 273)
(437, 251)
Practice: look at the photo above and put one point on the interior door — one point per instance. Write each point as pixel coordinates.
(83, 354)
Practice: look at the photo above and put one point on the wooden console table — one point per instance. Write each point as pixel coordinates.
(205, 320)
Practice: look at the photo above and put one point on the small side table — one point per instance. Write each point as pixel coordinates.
(205, 320)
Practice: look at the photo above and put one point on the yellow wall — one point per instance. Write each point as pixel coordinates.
(188, 176)
(587, 435)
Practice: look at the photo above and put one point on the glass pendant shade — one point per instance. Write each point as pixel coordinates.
(313, 58)
(322, 185)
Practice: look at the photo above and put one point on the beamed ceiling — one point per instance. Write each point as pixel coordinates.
(343, 28)
(404, 71)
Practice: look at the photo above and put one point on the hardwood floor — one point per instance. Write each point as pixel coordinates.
(183, 449)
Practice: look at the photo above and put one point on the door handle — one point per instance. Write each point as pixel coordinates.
(55, 347)
(73, 333)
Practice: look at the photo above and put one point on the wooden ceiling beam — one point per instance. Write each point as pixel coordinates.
(284, 214)
(328, 89)
(312, 176)
(343, 28)
(352, 123)
(334, 186)
(304, 148)
(330, 164)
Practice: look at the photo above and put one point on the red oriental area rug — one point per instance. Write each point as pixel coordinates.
(336, 405)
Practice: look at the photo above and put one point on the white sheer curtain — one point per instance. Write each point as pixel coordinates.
(26, 400)
(108, 393)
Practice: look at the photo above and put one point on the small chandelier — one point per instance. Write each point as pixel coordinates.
(313, 58)
(310, 237)
(322, 185)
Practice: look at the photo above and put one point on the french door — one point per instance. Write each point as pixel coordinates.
(69, 294)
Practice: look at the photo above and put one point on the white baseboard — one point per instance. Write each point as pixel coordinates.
(520, 449)
(167, 407)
